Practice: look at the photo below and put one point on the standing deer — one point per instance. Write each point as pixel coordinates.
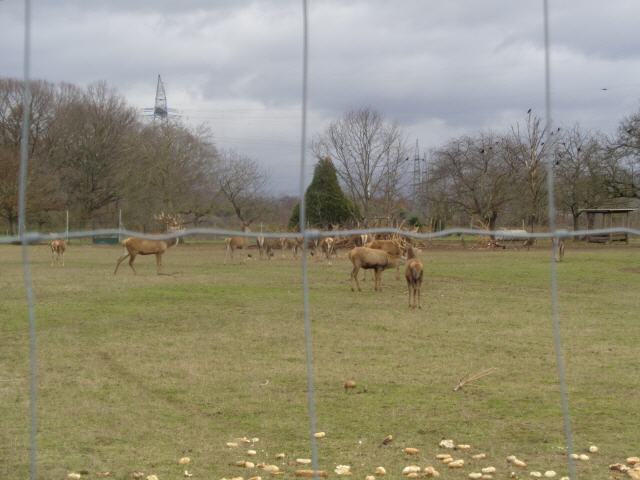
(413, 274)
(235, 243)
(396, 247)
(269, 245)
(291, 243)
(559, 251)
(327, 247)
(369, 258)
(58, 248)
(261, 245)
(135, 246)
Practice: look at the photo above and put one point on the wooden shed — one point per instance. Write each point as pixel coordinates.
(598, 218)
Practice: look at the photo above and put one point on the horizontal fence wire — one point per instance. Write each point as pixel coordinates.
(36, 237)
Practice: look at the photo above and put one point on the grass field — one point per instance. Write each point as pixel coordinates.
(138, 371)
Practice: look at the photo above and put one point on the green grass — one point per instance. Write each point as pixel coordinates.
(137, 371)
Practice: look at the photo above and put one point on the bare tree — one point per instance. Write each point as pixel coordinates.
(471, 174)
(89, 144)
(526, 149)
(170, 169)
(623, 159)
(241, 182)
(369, 153)
(580, 172)
(42, 181)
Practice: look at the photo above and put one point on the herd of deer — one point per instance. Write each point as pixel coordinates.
(365, 253)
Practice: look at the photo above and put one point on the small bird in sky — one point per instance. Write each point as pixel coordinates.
(529, 111)
(604, 89)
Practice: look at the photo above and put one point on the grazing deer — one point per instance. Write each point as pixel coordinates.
(235, 243)
(413, 274)
(135, 246)
(58, 248)
(371, 259)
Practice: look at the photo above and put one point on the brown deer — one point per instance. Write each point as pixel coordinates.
(559, 252)
(269, 245)
(235, 243)
(371, 259)
(135, 246)
(327, 247)
(395, 247)
(58, 247)
(413, 274)
(291, 243)
(260, 245)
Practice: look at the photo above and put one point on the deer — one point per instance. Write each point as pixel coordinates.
(327, 247)
(559, 252)
(271, 244)
(397, 247)
(290, 243)
(135, 246)
(260, 244)
(413, 274)
(58, 247)
(235, 243)
(371, 259)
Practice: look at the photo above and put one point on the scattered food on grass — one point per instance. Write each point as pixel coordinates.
(446, 443)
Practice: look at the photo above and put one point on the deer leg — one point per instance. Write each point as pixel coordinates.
(62, 259)
(158, 263)
(376, 281)
(120, 260)
(132, 257)
(418, 291)
(354, 276)
(52, 257)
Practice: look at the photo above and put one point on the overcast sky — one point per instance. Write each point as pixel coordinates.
(439, 69)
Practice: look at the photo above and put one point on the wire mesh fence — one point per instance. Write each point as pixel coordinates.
(27, 238)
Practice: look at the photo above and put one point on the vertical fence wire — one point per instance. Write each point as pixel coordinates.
(555, 311)
(26, 266)
(308, 335)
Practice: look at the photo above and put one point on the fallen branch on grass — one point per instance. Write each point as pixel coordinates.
(472, 378)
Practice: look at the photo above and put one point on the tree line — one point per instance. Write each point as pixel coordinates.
(488, 177)
(485, 179)
(91, 154)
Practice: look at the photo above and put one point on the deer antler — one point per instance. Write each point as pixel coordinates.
(171, 220)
